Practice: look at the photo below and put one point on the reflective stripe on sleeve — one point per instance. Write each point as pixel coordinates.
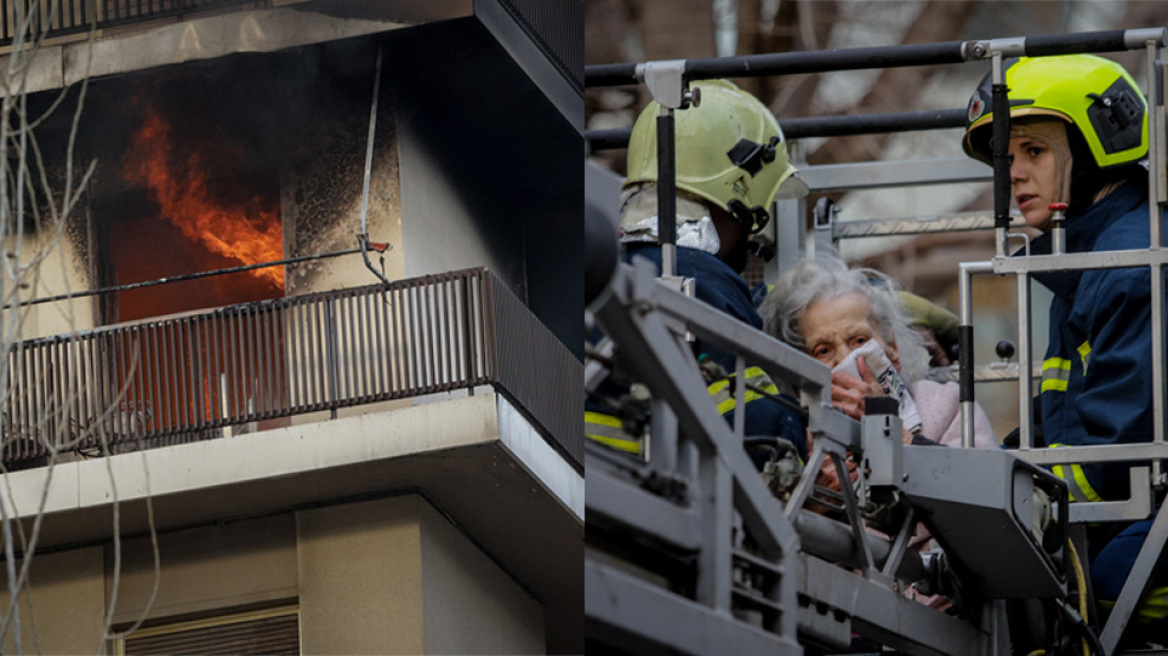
(607, 429)
(1055, 373)
(1077, 485)
(1153, 605)
(1084, 354)
(722, 392)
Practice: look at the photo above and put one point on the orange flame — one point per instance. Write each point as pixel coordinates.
(250, 235)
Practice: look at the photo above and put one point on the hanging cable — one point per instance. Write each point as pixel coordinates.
(1081, 581)
(363, 236)
(190, 276)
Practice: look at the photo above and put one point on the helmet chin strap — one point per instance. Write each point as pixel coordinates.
(752, 219)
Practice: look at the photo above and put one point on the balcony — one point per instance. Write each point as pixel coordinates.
(207, 375)
(62, 17)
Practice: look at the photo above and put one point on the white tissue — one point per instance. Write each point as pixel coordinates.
(888, 377)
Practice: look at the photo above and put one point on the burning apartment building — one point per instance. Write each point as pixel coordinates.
(371, 446)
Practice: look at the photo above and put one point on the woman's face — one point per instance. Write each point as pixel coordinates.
(1039, 162)
(835, 327)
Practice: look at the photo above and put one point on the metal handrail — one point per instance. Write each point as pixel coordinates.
(204, 375)
(54, 18)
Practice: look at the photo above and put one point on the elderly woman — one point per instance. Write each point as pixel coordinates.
(829, 311)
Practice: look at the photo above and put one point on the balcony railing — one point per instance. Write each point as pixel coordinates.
(203, 375)
(62, 17)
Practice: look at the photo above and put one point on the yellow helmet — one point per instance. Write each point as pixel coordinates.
(1094, 94)
(730, 151)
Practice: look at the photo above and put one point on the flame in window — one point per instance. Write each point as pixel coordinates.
(248, 231)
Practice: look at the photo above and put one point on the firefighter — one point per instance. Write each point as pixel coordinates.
(731, 165)
(1079, 128)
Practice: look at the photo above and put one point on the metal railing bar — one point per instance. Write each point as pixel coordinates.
(434, 337)
(107, 424)
(373, 352)
(347, 347)
(329, 344)
(442, 319)
(178, 349)
(215, 363)
(134, 393)
(171, 373)
(280, 358)
(275, 356)
(200, 371)
(268, 356)
(96, 394)
(258, 363)
(294, 330)
(417, 380)
(308, 365)
(357, 347)
(253, 370)
(490, 327)
(151, 426)
(383, 349)
(394, 363)
(37, 386)
(367, 327)
(243, 380)
(448, 332)
(319, 382)
(283, 356)
(231, 355)
(53, 390)
(418, 342)
(182, 370)
(73, 396)
(403, 340)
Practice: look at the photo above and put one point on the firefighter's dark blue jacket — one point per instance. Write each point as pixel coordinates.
(1097, 377)
(1097, 373)
(718, 285)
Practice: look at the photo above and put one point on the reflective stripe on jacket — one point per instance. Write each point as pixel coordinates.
(607, 429)
(1097, 374)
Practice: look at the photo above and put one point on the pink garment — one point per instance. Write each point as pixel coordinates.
(940, 408)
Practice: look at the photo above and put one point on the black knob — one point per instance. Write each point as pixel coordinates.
(1005, 349)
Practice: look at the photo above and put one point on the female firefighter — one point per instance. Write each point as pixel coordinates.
(1078, 130)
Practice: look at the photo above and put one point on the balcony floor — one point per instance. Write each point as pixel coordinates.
(476, 458)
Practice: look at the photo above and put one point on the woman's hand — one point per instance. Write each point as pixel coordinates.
(848, 392)
(827, 476)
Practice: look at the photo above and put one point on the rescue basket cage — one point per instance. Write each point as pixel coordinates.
(690, 552)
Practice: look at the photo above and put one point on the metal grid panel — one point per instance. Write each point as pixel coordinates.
(537, 371)
(558, 28)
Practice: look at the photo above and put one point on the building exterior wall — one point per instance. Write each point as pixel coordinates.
(441, 231)
(394, 576)
(387, 576)
(67, 597)
(206, 569)
(361, 578)
(62, 271)
(471, 605)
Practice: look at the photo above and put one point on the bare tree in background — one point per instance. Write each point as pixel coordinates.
(41, 186)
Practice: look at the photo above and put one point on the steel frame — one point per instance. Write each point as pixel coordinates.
(724, 497)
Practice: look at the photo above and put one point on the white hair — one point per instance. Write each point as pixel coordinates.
(828, 277)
